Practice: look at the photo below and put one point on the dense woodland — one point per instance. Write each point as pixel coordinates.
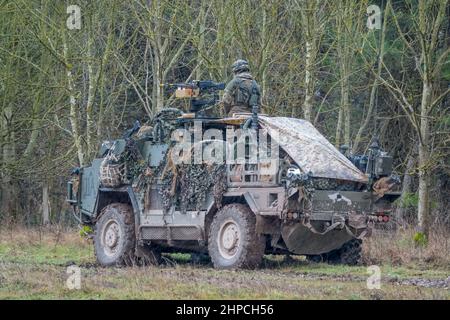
(65, 90)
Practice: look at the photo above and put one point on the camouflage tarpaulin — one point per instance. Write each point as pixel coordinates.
(310, 150)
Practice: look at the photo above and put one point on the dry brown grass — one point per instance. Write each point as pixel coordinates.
(33, 265)
(397, 247)
(393, 247)
(48, 235)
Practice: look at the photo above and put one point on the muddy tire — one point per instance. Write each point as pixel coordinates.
(316, 258)
(349, 254)
(200, 259)
(114, 238)
(233, 242)
(148, 256)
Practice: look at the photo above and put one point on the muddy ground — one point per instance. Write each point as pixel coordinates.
(35, 266)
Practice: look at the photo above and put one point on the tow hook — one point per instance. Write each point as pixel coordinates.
(339, 220)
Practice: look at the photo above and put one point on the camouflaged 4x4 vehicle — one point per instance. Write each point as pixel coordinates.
(313, 200)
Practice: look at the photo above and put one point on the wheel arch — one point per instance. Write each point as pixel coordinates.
(227, 199)
(125, 195)
(266, 225)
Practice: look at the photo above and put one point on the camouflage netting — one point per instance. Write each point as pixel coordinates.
(186, 185)
(133, 160)
(112, 174)
(196, 180)
(164, 123)
(119, 169)
(332, 184)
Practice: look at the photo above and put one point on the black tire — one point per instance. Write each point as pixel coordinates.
(114, 238)
(233, 242)
(316, 258)
(200, 259)
(148, 255)
(349, 254)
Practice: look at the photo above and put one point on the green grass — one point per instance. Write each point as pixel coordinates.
(180, 283)
(34, 267)
(45, 254)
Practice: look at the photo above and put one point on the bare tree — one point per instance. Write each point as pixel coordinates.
(314, 15)
(430, 53)
(348, 33)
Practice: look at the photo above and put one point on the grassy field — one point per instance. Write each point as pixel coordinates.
(33, 265)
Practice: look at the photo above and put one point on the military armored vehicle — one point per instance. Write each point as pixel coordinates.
(301, 196)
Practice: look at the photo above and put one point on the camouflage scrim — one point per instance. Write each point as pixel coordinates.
(310, 149)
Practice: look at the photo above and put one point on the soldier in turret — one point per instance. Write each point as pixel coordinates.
(242, 92)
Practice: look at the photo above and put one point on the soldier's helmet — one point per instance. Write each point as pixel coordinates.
(240, 66)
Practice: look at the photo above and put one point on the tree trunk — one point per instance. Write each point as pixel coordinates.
(201, 42)
(424, 184)
(424, 157)
(45, 205)
(9, 194)
(346, 107)
(159, 94)
(338, 136)
(92, 84)
(373, 91)
(343, 124)
(406, 186)
(312, 29)
(343, 28)
(73, 114)
(309, 81)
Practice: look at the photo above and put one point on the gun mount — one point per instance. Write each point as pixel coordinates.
(201, 94)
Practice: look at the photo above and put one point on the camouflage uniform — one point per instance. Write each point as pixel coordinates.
(241, 93)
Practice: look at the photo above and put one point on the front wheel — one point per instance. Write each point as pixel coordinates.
(233, 242)
(114, 239)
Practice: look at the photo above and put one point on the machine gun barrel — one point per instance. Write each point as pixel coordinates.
(210, 85)
(202, 85)
(196, 91)
(196, 84)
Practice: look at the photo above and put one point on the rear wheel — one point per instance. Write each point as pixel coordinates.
(316, 258)
(349, 254)
(233, 242)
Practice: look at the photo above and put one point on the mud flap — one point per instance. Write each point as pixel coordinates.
(300, 240)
